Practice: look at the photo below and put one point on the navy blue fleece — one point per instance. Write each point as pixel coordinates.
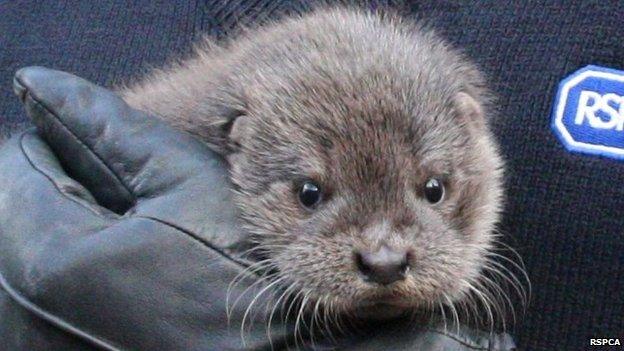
(564, 210)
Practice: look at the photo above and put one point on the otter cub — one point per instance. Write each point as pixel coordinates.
(360, 151)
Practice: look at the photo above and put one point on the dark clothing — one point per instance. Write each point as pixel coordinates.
(563, 209)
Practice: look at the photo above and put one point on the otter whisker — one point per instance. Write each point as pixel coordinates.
(441, 307)
(299, 319)
(501, 291)
(466, 312)
(496, 303)
(253, 270)
(507, 247)
(249, 272)
(326, 319)
(486, 304)
(276, 304)
(492, 292)
(251, 304)
(511, 278)
(451, 305)
(472, 303)
(313, 321)
(336, 317)
(293, 302)
(519, 267)
(433, 315)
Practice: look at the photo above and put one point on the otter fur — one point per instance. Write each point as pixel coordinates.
(374, 112)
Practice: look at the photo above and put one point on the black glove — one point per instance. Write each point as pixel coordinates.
(118, 233)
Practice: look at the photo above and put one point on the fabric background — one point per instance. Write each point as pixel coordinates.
(563, 210)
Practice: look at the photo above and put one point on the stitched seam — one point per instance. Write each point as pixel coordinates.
(52, 319)
(58, 119)
(39, 170)
(462, 342)
(188, 233)
(198, 239)
(33, 308)
(68, 327)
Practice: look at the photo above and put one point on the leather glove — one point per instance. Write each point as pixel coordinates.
(140, 260)
(118, 233)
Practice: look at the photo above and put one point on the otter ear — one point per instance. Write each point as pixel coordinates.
(470, 111)
(233, 129)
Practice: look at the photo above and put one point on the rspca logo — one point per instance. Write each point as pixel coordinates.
(588, 115)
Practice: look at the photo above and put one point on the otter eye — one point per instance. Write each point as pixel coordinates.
(310, 194)
(434, 191)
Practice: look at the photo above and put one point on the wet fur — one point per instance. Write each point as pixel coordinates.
(371, 107)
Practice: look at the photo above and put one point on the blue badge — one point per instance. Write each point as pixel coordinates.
(588, 115)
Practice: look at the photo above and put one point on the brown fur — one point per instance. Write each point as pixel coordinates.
(371, 108)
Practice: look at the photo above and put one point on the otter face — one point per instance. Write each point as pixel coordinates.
(380, 197)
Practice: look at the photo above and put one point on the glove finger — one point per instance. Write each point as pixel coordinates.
(130, 160)
(52, 99)
(119, 153)
(31, 172)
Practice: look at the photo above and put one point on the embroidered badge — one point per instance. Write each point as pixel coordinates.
(588, 115)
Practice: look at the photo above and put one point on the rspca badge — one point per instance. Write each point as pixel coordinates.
(588, 115)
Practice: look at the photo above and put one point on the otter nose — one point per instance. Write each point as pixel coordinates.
(385, 266)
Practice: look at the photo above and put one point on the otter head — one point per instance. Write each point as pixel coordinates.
(360, 152)
(369, 183)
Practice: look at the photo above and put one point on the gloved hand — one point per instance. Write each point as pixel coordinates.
(118, 233)
(134, 250)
